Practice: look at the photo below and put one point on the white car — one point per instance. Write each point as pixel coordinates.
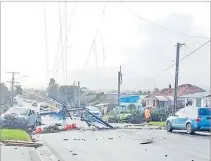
(27, 114)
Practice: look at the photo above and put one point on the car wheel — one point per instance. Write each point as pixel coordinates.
(169, 127)
(189, 128)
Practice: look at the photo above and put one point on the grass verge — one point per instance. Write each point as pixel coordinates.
(14, 134)
(160, 124)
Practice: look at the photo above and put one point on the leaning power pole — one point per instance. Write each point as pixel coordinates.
(119, 83)
(12, 85)
(176, 76)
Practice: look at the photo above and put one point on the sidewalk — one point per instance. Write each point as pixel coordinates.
(15, 153)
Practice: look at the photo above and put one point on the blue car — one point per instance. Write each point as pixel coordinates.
(190, 119)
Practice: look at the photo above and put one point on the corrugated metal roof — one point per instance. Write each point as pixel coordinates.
(197, 95)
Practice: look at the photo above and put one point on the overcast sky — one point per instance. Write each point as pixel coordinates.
(121, 38)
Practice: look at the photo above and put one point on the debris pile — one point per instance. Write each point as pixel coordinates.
(55, 128)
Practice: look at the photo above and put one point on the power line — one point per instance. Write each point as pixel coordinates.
(64, 44)
(46, 42)
(162, 27)
(98, 29)
(179, 61)
(60, 37)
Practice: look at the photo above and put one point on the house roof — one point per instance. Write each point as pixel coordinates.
(197, 95)
(182, 90)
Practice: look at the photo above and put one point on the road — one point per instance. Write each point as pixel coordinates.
(124, 145)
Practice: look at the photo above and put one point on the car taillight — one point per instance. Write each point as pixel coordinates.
(198, 119)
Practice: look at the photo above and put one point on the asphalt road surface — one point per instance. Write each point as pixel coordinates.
(124, 145)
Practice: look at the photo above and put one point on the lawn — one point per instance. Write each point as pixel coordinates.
(160, 124)
(13, 134)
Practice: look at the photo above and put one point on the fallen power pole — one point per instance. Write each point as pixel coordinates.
(12, 85)
(176, 76)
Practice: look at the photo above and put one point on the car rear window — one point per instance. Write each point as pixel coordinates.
(204, 111)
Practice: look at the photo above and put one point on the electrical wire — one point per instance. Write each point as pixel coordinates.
(46, 42)
(98, 29)
(162, 27)
(66, 49)
(68, 30)
(60, 38)
(179, 61)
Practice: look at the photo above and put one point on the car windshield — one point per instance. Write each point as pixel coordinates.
(204, 111)
(18, 111)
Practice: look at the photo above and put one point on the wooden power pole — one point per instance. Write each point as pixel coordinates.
(176, 76)
(119, 83)
(12, 85)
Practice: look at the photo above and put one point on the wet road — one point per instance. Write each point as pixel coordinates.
(124, 145)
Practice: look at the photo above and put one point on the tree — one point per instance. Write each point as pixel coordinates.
(143, 103)
(4, 92)
(131, 107)
(140, 92)
(68, 92)
(145, 93)
(148, 93)
(155, 90)
(53, 87)
(18, 89)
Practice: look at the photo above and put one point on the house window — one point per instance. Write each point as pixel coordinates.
(198, 102)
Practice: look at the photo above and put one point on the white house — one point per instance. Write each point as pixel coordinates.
(201, 99)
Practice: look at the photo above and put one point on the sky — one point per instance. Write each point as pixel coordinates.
(87, 42)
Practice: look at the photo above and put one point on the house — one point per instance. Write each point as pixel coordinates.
(200, 99)
(126, 101)
(165, 97)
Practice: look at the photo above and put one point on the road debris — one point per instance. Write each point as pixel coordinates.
(21, 143)
(148, 141)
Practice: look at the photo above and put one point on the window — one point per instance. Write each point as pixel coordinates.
(153, 103)
(198, 102)
(204, 111)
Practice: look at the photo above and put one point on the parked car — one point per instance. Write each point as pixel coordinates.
(27, 116)
(190, 119)
(95, 111)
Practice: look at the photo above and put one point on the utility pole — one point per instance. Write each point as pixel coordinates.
(75, 95)
(176, 76)
(119, 83)
(79, 94)
(12, 85)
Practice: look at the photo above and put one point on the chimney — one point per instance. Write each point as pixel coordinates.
(169, 86)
